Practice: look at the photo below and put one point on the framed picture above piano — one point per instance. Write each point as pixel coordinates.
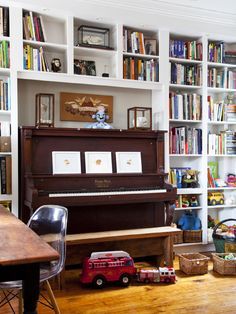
(98, 162)
(128, 162)
(66, 162)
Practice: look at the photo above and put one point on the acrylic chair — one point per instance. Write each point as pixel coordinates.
(50, 223)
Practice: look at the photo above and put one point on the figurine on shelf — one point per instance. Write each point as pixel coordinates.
(194, 201)
(101, 117)
(190, 179)
(56, 65)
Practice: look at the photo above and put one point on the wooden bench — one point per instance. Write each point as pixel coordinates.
(157, 241)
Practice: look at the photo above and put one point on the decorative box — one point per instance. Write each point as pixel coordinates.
(94, 36)
(139, 118)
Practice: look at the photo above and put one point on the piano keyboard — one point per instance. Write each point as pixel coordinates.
(107, 193)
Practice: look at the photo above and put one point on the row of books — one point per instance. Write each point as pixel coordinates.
(4, 21)
(5, 103)
(33, 27)
(185, 140)
(4, 54)
(221, 52)
(191, 50)
(221, 78)
(139, 69)
(221, 111)
(5, 175)
(185, 106)
(223, 143)
(133, 41)
(35, 59)
(185, 74)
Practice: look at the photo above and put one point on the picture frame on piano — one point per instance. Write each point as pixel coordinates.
(128, 162)
(66, 162)
(98, 162)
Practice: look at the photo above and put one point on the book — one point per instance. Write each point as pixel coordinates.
(213, 166)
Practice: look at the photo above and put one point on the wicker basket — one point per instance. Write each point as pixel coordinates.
(223, 244)
(222, 266)
(178, 238)
(192, 236)
(193, 263)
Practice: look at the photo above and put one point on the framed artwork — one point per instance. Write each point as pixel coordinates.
(128, 162)
(98, 162)
(84, 67)
(44, 113)
(150, 46)
(81, 107)
(66, 162)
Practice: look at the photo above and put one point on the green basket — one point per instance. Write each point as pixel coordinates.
(220, 241)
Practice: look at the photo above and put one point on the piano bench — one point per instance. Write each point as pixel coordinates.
(156, 241)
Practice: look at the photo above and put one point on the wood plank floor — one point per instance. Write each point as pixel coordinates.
(210, 293)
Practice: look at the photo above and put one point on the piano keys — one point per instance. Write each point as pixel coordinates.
(96, 202)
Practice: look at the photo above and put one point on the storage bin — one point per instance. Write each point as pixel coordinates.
(223, 243)
(222, 266)
(193, 263)
(178, 238)
(192, 236)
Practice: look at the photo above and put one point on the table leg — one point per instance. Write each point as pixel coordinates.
(31, 289)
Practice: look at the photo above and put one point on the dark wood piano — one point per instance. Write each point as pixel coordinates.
(116, 204)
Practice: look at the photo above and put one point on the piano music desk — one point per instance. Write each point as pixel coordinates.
(157, 241)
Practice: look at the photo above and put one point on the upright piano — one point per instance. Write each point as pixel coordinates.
(96, 202)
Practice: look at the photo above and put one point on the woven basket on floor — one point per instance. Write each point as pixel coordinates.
(193, 263)
(222, 243)
(222, 266)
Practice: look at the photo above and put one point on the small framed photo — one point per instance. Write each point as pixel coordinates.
(84, 67)
(66, 162)
(150, 46)
(98, 162)
(44, 115)
(128, 162)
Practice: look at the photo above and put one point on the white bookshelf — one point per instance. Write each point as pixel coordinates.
(61, 31)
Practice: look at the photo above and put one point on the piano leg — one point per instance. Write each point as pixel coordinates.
(170, 208)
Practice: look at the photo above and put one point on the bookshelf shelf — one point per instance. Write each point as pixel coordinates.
(222, 206)
(188, 208)
(221, 122)
(226, 188)
(221, 65)
(222, 156)
(190, 191)
(139, 55)
(90, 52)
(49, 46)
(181, 60)
(220, 90)
(184, 87)
(188, 244)
(185, 155)
(184, 121)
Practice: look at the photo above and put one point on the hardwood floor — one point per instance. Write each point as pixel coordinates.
(210, 293)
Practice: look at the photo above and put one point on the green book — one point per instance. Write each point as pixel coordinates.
(213, 165)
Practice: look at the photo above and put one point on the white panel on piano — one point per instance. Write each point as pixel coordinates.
(66, 162)
(128, 162)
(98, 162)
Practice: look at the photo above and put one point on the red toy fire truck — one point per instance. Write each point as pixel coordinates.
(102, 267)
(163, 274)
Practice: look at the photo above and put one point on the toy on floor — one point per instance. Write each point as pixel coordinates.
(163, 274)
(109, 266)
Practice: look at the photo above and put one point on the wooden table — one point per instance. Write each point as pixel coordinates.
(21, 251)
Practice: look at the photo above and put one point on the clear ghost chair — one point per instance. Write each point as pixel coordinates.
(50, 223)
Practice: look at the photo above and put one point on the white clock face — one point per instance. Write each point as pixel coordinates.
(93, 39)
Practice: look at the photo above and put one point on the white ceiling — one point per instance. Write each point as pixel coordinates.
(220, 6)
(216, 11)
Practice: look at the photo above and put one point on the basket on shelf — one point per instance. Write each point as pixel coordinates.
(178, 238)
(222, 266)
(192, 236)
(193, 263)
(223, 244)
